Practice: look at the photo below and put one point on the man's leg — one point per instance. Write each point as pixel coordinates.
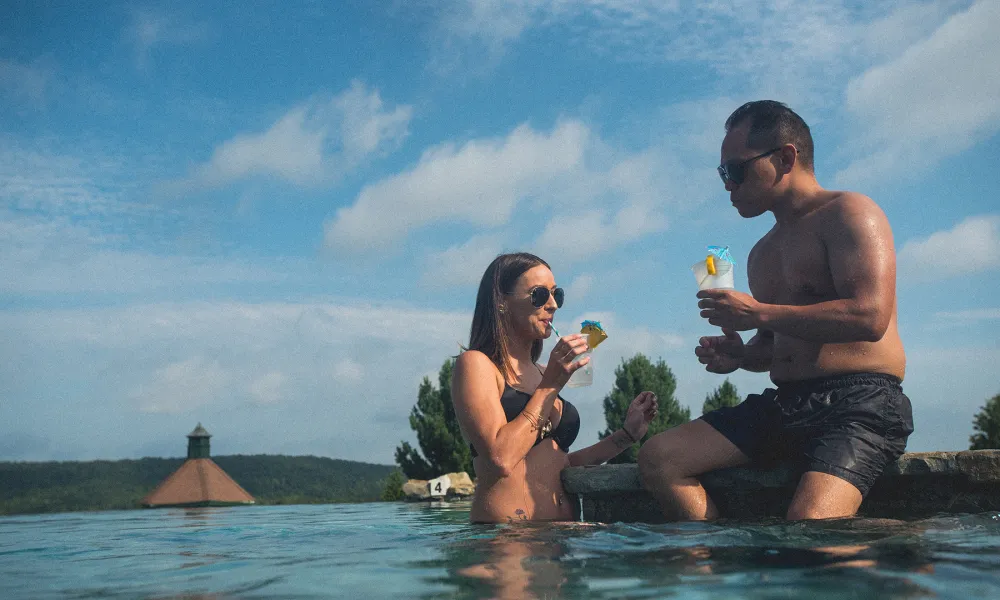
(670, 461)
(823, 496)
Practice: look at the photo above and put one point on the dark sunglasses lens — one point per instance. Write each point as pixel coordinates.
(559, 295)
(738, 173)
(735, 173)
(540, 295)
(723, 174)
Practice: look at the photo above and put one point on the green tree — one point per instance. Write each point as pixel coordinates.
(438, 433)
(635, 375)
(725, 395)
(393, 488)
(987, 423)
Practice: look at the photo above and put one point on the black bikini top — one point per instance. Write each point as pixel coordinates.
(514, 401)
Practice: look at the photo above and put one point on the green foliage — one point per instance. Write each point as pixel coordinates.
(633, 376)
(392, 490)
(438, 433)
(987, 423)
(724, 396)
(110, 485)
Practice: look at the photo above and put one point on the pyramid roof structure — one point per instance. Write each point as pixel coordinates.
(198, 482)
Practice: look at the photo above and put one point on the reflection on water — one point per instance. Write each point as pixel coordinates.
(431, 551)
(731, 559)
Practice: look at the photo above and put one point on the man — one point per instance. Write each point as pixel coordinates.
(824, 309)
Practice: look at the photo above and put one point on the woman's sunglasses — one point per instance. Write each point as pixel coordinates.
(736, 172)
(540, 295)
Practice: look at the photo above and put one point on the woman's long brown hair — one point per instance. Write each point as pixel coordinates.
(490, 330)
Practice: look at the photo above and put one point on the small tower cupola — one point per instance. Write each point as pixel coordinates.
(198, 445)
(198, 482)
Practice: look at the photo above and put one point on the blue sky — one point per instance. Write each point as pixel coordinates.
(271, 217)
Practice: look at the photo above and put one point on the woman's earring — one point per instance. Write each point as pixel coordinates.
(501, 309)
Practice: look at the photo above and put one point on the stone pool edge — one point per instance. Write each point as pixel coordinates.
(919, 484)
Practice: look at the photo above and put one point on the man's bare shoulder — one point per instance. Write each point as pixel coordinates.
(851, 203)
(851, 210)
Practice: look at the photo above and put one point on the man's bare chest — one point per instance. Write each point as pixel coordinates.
(791, 268)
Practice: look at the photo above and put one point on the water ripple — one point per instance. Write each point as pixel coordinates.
(431, 551)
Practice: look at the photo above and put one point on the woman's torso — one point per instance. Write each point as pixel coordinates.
(533, 491)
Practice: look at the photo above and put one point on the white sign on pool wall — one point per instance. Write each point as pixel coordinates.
(439, 486)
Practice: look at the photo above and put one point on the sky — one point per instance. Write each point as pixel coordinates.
(271, 217)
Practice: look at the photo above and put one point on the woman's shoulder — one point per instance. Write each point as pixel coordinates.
(475, 362)
(473, 365)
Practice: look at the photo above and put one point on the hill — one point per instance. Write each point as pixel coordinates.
(39, 487)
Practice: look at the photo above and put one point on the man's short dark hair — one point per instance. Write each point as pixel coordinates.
(773, 124)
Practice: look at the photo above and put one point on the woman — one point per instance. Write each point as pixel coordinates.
(518, 427)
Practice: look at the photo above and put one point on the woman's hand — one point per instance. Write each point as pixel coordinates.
(561, 365)
(640, 414)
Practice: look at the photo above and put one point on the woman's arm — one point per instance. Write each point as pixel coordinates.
(602, 451)
(475, 390)
(640, 414)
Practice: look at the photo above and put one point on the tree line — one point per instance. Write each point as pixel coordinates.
(39, 487)
(442, 449)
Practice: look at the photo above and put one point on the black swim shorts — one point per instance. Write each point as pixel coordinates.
(848, 426)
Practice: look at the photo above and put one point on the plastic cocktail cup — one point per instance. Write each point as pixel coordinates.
(723, 278)
(584, 375)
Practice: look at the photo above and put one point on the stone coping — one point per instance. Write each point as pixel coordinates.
(974, 466)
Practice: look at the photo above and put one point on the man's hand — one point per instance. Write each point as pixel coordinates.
(721, 354)
(729, 309)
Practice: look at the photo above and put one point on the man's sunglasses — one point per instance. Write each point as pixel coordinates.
(736, 172)
(540, 295)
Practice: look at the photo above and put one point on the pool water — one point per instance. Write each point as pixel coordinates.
(397, 550)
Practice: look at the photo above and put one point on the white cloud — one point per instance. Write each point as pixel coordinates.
(969, 247)
(268, 388)
(40, 254)
(739, 39)
(578, 289)
(936, 99)
(479, 183)
(182, 386)
(148, 29)
(318, 141)
(565, 172)
(587, 234)
(890, 35)
(347, 370)
(26, 82)
(492, 22)
(92, 182)
(462, 264)
(973, 315)
(340, 377)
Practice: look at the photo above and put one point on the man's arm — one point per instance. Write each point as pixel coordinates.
(862, 262)
(758, 352)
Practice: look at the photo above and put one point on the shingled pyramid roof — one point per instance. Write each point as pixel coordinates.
(199, 482)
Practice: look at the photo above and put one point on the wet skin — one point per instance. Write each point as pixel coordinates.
(823, 283)
(518, 480)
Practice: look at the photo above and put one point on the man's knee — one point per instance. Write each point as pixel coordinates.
(661, 458)
(824, 496)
